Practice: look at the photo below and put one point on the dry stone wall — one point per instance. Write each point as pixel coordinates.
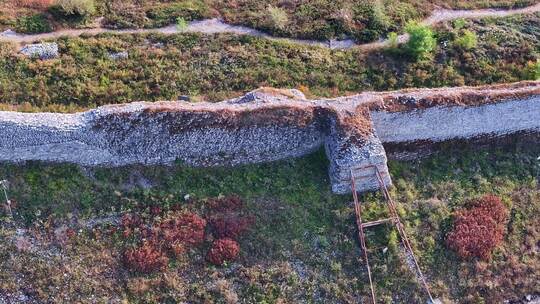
(268, 125)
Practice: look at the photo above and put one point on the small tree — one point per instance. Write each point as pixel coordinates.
(467, 40)
(421, 42)
(77, 7)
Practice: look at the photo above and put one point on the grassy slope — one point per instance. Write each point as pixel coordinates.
(303, 247)
(217, 67)
(364, 20)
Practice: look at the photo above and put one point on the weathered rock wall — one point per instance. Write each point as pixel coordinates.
(405, 132)
(269, 124)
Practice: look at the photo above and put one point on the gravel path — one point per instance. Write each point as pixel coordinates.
(212, 26)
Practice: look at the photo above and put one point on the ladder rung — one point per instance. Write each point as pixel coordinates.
(378, 222)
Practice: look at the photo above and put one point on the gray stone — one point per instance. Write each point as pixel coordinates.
(118, 55)
(41, 50)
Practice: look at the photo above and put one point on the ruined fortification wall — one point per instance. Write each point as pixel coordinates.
(260, 127)
(268, 125)
(413, 122)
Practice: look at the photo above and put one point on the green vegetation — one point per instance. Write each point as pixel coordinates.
(77, 7)
(217, 67)
(33, 24)
(181, 24)
(303, 246)
(363, 20)
(277, 17)
(150, 14)
(421, 42)
(467, 40)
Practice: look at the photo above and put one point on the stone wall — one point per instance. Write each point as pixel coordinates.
(270, 124)
(413, 133)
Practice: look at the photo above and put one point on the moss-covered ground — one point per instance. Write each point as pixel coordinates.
(302, 247)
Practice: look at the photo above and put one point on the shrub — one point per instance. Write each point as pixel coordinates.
(421, 42)
(165, 14)
(532, 70)
(185, 228)
(229, 227)
(77, 7)
(459, 23)
(393, 40)
(223, 250)
(479, 229)
(33, 24)
(372, 15)
(278, 17)
(467, 40)
(145, 259)
(181, 24)
(225, 204)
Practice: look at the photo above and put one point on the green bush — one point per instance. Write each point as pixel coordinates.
(33, 24)
(532, 70)
(421, 42)
(278, 17)
(467, 40)
(166, 14)
(459, 23)
(77, 7)
(393, 41)
(372, 14)
(181, 24)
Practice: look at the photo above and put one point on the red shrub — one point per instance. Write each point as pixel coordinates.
(185, 228)
(478, 229)
(146, 258)
(229, 227)
(155, 210)
(130, 220)
(223, 250)
(225, 204)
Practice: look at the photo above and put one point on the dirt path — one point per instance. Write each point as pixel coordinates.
(212, 26)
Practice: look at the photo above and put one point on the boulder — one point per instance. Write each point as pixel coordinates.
(119, 55)
(41, 50)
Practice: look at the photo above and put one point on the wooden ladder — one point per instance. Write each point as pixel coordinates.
(394, 219)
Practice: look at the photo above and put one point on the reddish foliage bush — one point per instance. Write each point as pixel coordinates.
(185, 228)
(225, 204)
(146, 258)
(130, 220)
(223, 250)
(230, 227)
(478, 229)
